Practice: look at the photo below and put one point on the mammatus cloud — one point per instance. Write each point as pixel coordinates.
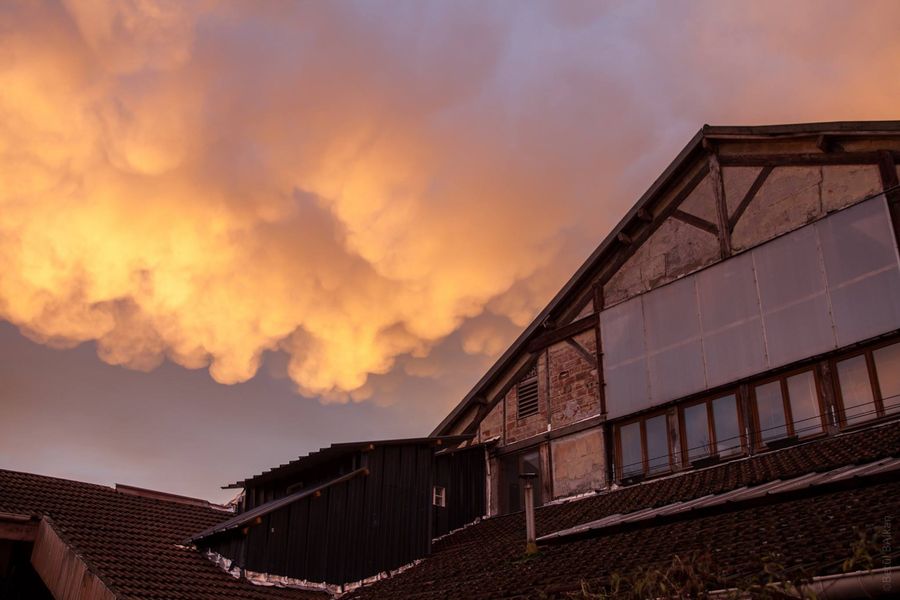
(351, 183)
(206, 182)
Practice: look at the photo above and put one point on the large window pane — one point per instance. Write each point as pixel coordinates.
(727, 426)
(696, 431)
(674, 352)
(729, 315)
(804, 403)
(861, 266)
(770, 410)
(630, 439)
(792, 296)
(856, 389)
(887, 364)
(624, 358)
(657, 444)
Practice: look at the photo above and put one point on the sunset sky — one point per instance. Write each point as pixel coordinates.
(234, 232)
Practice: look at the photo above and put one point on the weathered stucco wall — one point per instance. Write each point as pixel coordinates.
(578, 463)
(573, 381)
(794, 196)
(673, 250)
(789, 198)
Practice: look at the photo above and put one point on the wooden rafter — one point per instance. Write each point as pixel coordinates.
(801, 160)
(695, 221)
(561, 333)
(748, 197)
(718, 185)
(890, 182)
(583, 352)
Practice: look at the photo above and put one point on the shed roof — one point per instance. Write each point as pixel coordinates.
(338, 451)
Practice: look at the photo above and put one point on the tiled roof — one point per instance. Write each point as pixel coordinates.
(132, 543)
(816, 529)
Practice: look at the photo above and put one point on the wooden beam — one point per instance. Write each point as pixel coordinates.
(601, 384)
(695, 221)
(890, 182)
(583, 352)
(826, 143)
(798, 160)
(715, 174)
(618, 259)
(624, 238)
(561, 333)
(644, 215)
(749, 196)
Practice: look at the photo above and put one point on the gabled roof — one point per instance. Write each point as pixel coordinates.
(689, 156)
(809, 527)
(132, 543)
(336, 452)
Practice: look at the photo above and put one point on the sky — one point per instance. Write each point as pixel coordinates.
(234, 232)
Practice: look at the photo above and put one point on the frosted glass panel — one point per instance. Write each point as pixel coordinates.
(630, 437)
(792, 297)
(624, 361)
(696, 431)
(727, 425)
(856, 390)
(674, 351)
(861, 266)
(826, 285)
(657, 444)
(729, 315)
(804, 400)
(887, 364)
(770, 409)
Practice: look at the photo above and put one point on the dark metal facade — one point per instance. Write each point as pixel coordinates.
(361, 513)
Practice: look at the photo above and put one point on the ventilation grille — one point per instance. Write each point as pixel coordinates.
(527, 394)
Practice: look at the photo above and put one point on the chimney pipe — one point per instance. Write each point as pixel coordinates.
(530, 544)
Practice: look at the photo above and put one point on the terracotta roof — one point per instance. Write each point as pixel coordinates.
(814, 527)
(132, 542)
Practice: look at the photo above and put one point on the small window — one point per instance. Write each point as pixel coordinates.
(527, 394)
(869, 384)
(712, 428)
(439, 496)
(787, 407)
(643, 447)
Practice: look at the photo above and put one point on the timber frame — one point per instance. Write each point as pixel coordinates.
(713, 147)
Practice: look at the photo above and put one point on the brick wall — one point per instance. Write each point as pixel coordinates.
(492, 424)
(519, 429)
(573, 381)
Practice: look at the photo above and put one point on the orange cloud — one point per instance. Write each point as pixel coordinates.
(208, 181)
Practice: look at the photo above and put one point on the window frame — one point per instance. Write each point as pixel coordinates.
(645, 458)
(711, 426)
(758, 442)
(874, 384)
(439, 496)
